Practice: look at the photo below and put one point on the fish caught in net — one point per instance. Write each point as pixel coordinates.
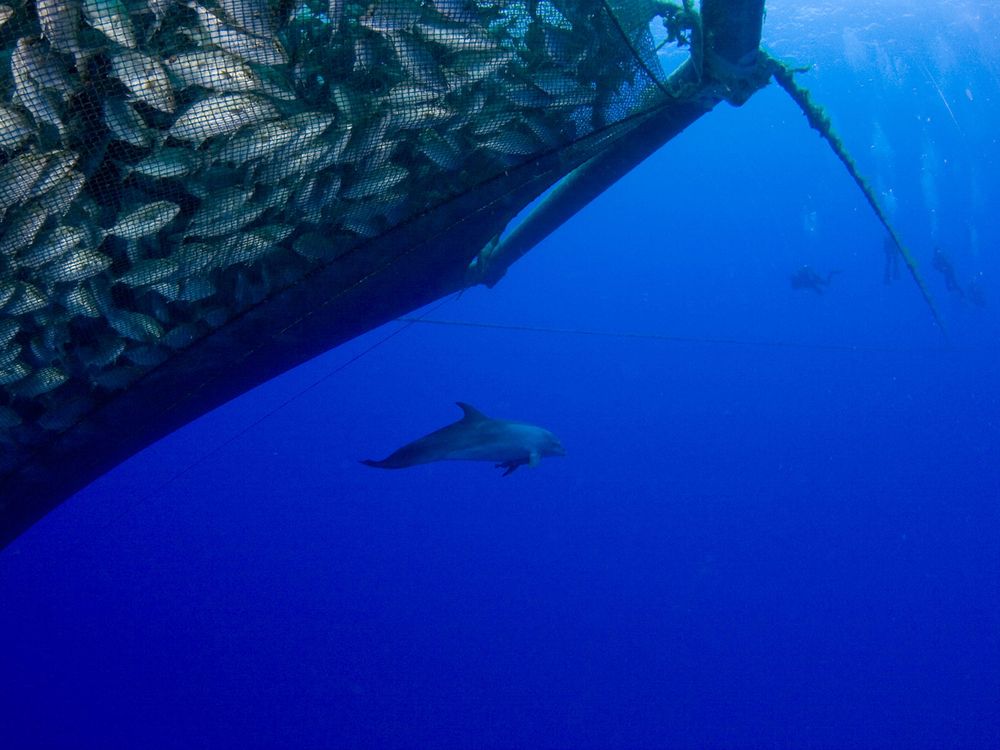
(193, 192)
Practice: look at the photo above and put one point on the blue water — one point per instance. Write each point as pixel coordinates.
(780, 528)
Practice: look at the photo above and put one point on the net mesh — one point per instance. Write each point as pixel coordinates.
(167, 165)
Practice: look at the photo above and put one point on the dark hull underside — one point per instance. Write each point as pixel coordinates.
(417, 262)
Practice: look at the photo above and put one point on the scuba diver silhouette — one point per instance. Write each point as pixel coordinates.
(975, 290)
(807, 278)
(942, 265)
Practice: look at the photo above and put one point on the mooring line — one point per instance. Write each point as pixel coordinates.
(669, 337)
(406, 323)
(820, 122)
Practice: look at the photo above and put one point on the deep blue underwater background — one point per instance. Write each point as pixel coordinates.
(780, 528)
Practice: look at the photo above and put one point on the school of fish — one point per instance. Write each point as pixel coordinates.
(166, 164)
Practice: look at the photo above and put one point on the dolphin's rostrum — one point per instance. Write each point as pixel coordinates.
(476, 437)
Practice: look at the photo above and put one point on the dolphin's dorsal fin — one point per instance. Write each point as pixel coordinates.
(470, 413)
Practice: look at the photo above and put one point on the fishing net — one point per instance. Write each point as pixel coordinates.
(184, 182)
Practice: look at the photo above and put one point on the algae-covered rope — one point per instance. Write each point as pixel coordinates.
(820, 121)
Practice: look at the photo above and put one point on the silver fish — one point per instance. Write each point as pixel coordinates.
(251, 144)
(316, 246)
(525, 96)
(220, 114)
(18, 176)
(407, 94)
(168, 162)
(311, 124)
(421, 116)
(494, 122)
(145, 220)
(76, 266)
(335, 12)
(44, 66)
(9, 354)
(275, 196)
(364, 140)
(250, 47)
(459, 11)
(277, 87)
(180, 336)
(53, 246)
(60, 164)
(43, 104)
(215, 208)
(193, 290)
(145, 78)
(14, 373)
(58, 199)
(365, 54)
(511, 143)
(8, 327)
(103, 352)
(213, 69)
(160, 8)
(9, 289)
(376, 181)
(418, 62)
(149, 272)
(135, 325)
(27, 300)
(80, 300)
(456, 37)
(245, 247)
(470, 66)
(441, 153)
(60, 22)
(126, 124)
(15, 128)
(22, 230)
(276, 232)
(111, 18)
(193, 257)
(41, 381)
(253, 15)
(541, 129)
(358, 219)
(386, 16)
(293, 162)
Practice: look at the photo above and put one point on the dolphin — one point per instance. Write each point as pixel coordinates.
(476, 437)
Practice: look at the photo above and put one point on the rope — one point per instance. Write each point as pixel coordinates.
(820, 122)
(407, 322)
(665, 337)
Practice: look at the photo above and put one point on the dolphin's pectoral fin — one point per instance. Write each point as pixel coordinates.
(534, 458)
(510, 466)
